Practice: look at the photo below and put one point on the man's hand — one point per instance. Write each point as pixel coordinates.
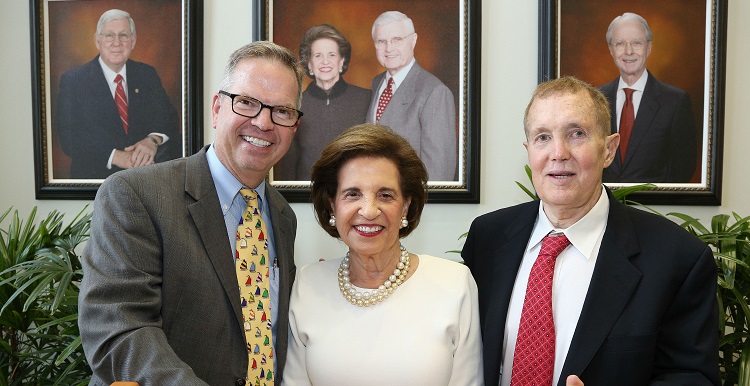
(142, 152)
(121, 159)
(573, 380)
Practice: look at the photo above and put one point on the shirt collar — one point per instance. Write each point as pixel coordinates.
(639, 85)
(110, 75)
(401, 75)
(227, 185)
(583, 235)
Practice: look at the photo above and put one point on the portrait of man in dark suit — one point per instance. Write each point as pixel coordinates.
(658, 134)
(113, 112)
(412, 101)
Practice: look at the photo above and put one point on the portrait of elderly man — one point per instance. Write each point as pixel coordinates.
(658, 134)
(412, 101)
(113, 113)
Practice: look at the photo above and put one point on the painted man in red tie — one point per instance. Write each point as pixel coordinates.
(631, 300)
(658, 135)
(113, 113)
(412, 101)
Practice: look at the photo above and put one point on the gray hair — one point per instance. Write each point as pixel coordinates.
(626, 17)
(389, 17)
(114, 14)
(263, 50)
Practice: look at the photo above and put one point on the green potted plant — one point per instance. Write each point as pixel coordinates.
(40, 273)
(730, 243)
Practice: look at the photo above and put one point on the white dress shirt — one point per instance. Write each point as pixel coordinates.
(573, 269)
(638, 86)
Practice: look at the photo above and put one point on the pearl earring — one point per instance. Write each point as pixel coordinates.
(332, 221)
(404, 222)
(311, 73)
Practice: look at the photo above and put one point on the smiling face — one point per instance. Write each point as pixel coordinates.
(368, 206)
(567, 153)
(630, 49)
(394, 56)
(325, 62)
(115, 53)
(249, 147)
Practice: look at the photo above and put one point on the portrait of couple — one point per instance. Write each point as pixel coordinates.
(382, 70)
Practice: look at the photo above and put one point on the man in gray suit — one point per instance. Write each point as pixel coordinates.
(421, 108)
(160, 301)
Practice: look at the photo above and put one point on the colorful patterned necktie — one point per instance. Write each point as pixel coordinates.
(385, 97)
(252, 275)
(534, 358)
(627, 117)
(122, 102)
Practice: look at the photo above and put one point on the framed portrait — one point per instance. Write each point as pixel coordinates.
(101, 94)
(435, 104)
(676, 137)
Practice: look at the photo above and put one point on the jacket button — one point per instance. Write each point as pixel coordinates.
(240, 382)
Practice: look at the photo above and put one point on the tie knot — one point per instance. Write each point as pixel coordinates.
(118, 78)
(628, 92)
(390, 82)
(249, 194)
(553, 245)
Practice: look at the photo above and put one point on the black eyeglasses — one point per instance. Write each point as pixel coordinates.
(251, 107)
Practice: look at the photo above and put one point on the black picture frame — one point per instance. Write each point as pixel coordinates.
(552, 31)
(466, 86)
(187, 89)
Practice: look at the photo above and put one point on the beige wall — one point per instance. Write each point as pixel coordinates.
(509, 65)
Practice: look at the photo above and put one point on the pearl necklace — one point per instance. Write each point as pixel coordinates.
(374, 296)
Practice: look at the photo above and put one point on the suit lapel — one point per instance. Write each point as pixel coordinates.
(403, 96)
(210, 224)
(610, 91)
(612, 285)
(101, 92)
(647, 110)
(377, 82)
(405, 92)
(510, 254)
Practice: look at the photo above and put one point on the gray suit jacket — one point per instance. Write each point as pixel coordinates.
(423, 111)
(159, 301)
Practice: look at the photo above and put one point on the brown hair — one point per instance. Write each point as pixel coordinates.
(263, 50)
(572, 85)
(323, 31)
(368, 140)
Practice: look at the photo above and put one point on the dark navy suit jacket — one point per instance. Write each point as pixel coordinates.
(89, 126)
(663, 143)
(650, 316)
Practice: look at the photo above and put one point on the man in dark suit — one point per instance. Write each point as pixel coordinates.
(633, 298)
(662, 144)
(421, 108)
(160, 301)
(92, 131)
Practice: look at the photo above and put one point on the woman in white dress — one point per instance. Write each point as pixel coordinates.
(379, 315)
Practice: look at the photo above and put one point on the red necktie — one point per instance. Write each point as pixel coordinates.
(385, 97)
(627, 117)
(534, 358)
(122, 102)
